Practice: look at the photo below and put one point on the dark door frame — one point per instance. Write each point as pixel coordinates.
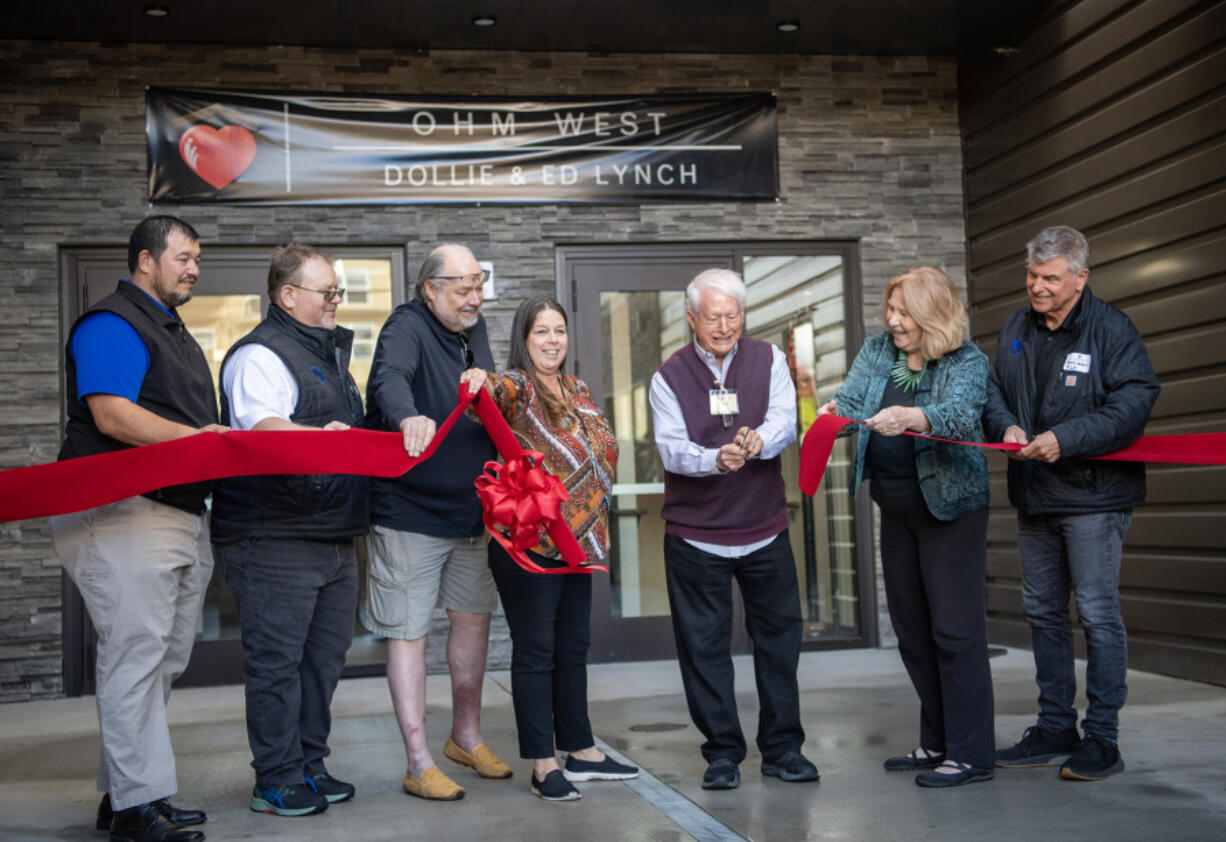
(641, 638)
(212, 661)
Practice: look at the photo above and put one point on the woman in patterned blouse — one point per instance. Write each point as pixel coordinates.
(550, 615)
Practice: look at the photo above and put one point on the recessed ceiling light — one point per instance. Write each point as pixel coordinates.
(484, 20)
(788, 25)
(156, 11)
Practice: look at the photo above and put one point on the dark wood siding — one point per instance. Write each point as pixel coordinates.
(1111, 117)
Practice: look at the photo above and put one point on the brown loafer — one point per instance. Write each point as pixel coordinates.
(480, 758)
(434, 785)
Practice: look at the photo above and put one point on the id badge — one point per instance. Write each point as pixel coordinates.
(723, 401)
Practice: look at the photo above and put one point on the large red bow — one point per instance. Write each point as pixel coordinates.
(522, 501)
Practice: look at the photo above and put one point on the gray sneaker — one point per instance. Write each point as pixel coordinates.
(1037, 748)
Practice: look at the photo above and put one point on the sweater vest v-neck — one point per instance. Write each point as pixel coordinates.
(739, 507)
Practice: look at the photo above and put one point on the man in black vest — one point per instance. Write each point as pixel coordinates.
(135, 376)
(724, 407)
(286, 542)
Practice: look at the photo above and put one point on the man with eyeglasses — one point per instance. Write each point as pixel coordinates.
(286, 542)
(427, 542)
(724, 407)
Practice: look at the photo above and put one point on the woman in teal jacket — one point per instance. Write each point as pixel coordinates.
(920, 376)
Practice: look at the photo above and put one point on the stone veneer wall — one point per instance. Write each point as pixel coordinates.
(869, 150)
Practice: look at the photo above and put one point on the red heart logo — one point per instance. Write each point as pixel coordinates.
(217, 155)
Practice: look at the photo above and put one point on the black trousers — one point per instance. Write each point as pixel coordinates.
(700, 594)
(296, 604)
(550, 618)
(934, 584)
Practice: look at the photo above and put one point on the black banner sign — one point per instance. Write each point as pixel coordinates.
(253, 147)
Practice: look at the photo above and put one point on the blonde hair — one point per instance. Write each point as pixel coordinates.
(932, 300)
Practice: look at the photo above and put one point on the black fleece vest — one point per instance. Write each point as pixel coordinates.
(178, 386)
(317, 507)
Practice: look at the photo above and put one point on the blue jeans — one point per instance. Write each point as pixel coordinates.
(1081, 553)
(296, 606)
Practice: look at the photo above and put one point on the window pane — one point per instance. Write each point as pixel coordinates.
(797, 303)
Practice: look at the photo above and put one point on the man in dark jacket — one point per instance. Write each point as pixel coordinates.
(1071, 379)
(427, 544)
(286, 542)
(136, 376)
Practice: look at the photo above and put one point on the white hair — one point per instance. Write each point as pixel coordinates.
(718, 280)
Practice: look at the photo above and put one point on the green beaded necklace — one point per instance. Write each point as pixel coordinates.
(902, 375)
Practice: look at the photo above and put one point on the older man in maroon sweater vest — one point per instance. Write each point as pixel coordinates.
(724, 408)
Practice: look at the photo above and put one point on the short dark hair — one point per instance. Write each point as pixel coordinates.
(151, 235)
(287, 261)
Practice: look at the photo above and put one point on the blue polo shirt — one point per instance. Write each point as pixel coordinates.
(110, 356)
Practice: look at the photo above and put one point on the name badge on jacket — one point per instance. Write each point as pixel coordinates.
(1077, 362)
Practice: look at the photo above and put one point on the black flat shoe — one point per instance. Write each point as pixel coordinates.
(966, 774)
(186, 818)
(913, 762)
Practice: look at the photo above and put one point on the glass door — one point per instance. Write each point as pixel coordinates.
(628, 307)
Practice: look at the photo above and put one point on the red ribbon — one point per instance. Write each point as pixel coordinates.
(1191, 449)
(76, 484)
(519, 496)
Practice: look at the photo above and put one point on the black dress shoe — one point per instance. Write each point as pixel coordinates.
(721, 773)
(145, 823)
(187, 818)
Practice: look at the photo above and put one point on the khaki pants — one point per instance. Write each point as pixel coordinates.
(142, 568)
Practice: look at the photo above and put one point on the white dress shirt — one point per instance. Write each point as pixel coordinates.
(258, 385)
(680, 455)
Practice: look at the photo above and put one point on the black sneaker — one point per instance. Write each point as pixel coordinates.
(793, 767)
(1037, 748)
(603, 770)
(292, 800)
(1094, 759)
(330, 788)
(555, 787)
(721, 774)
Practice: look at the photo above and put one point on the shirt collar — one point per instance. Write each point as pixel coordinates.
(159, 304)
(709, 359)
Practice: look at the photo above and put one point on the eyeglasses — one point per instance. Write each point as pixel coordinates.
(475, 278)
(466, 352)
(338, 293)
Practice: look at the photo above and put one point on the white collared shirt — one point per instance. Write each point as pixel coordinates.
(680, 455)
(258, 385)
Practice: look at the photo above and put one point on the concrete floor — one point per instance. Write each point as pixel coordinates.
(858, 708)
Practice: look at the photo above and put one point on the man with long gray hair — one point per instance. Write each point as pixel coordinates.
(1071, 379)
(427, 542)
(724, 408)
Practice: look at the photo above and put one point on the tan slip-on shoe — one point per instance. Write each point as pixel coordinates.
(434, 785)
(480, 758)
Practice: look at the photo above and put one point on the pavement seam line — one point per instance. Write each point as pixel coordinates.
(683, 812)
